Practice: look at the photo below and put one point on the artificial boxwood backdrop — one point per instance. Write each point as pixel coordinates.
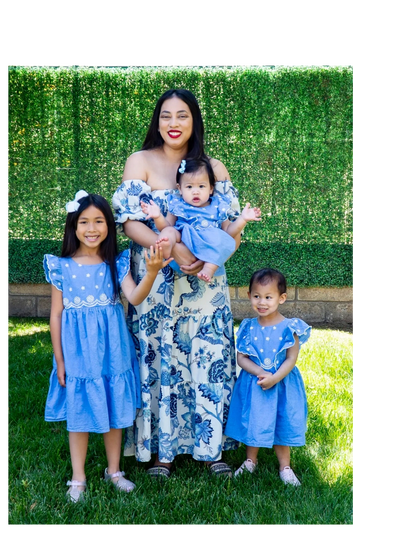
(284, 133)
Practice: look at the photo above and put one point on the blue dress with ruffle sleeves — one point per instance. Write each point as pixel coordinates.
(200, 229)
(262, 418)
(102, 374)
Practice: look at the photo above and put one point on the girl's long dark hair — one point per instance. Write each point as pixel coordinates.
(108, 248)
(196, 142)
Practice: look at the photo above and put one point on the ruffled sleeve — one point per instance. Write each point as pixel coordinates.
(298, 327)
(223, 205)
(176, 205)
(126, 201)
(52, 271)
(243, 341)
(123, 263)
(227, 190)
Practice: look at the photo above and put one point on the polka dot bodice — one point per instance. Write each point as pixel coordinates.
(84, 285)
(267, 345)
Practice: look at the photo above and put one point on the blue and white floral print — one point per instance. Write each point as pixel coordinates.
(183, 333)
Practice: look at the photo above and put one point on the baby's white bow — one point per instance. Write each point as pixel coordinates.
(73, 206)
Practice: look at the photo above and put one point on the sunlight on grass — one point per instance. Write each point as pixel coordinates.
(39, 460)
(20, 327)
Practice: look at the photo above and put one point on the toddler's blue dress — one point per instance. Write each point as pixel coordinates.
(200, 229)
(262, 418)
(102, 373)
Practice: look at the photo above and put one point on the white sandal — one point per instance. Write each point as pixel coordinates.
(247, 466)
(74, 494)
(122, 484)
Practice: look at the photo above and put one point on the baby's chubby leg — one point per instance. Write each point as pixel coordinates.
(167, 239)
(207, 272)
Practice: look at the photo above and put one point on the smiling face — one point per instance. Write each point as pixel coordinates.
(265, 301)
(91, 229)
(195, 188)
(175, 122)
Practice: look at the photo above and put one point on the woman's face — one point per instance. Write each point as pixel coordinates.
(175, 123)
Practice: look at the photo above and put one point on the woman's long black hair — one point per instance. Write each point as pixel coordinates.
(108, 248)
(196, 142)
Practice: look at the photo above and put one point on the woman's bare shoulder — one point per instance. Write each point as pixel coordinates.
(137, 166)
(220, 170)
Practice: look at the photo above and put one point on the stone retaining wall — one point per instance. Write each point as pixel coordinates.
(316, 305)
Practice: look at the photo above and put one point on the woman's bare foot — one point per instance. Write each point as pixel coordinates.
(166, 246)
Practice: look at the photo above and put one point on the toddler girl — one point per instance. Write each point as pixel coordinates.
(269, 405)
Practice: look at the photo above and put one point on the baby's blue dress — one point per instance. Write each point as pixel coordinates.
(200, 229)
(102, 373)
(278, 415)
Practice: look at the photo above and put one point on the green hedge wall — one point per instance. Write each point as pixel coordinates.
(285, 135)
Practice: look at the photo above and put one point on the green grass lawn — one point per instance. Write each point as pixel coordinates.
(39, 463)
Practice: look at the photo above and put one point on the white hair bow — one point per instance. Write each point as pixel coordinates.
(73, 206)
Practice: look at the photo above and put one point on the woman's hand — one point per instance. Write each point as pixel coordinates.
(193, 269)
(188, 263)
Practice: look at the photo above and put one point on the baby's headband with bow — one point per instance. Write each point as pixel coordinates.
(73, 206)
(181, 169)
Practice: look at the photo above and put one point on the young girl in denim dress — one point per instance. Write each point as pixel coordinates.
(269, 404)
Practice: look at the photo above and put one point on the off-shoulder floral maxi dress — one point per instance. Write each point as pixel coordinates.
(183, 334)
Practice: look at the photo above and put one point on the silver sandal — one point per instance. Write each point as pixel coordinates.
(219, 468)
(159, 471)
(122, 484)
(74, 494)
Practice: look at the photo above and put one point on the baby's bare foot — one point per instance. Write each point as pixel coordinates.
(202, 275)
(207, 273)
(166, 246)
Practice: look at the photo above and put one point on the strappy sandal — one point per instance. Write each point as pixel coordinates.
(219, 468)
(74, 494)
(159, 471)
(122, 484)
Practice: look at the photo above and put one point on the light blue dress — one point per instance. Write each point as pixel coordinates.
(183, 332)
(278, 415)
(200, 229)
(102, 374)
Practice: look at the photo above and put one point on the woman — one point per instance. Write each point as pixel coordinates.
(184, 330)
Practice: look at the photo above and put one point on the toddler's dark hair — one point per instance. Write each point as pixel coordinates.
(266, 275)
(108, 248)
(193, 165)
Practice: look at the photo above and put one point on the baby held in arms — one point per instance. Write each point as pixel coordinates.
(199, 218)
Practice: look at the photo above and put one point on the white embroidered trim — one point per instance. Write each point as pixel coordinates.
(78, 303)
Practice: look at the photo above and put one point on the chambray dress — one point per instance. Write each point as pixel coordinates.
(278, 415)
(183, 333)
(102, 375)
(200, 229)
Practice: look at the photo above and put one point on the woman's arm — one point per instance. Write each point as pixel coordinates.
(221, 174)
(136, 169)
